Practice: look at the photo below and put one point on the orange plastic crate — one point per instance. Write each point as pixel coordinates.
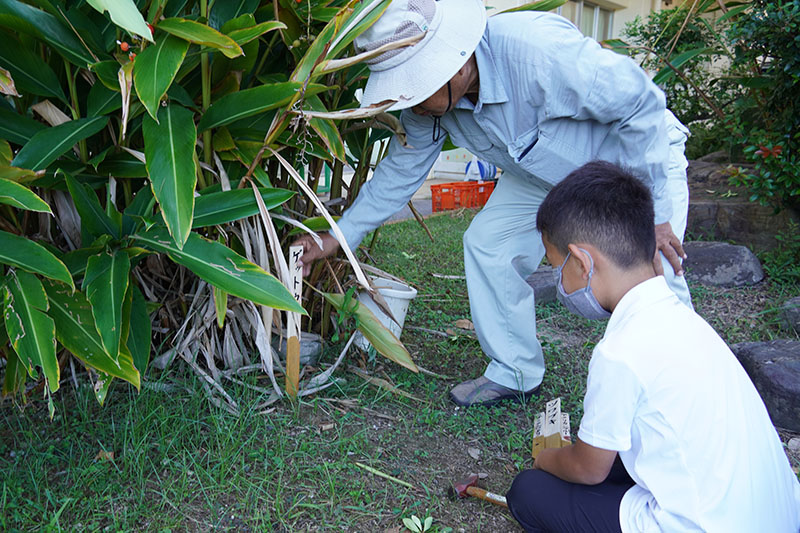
(454, 195)
(485, 189)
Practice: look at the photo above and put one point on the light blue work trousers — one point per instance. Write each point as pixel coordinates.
(502, 248)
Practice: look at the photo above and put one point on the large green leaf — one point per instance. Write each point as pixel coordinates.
(105, 285)
(226, 206)
(27, 19)
(198, 33)
(25, 254)
(243, 36)
(7, 154)
(222, 12)
(249, 102)
(139, 337)
(17, 128)
(326, 128)
(169, 152)
(31, 73)
(18, 175)
(75, 330)
(102, 101)
(125, 15)
(47, 145)
(139, 211)
(21, 197)
(352, 22)
(375, 332)
(15, 373)
(155, 68)
(223, 268)
(93, 217)
(122, 165)
(76, 260)
(317, 224)
(31, 331)
(107, 73)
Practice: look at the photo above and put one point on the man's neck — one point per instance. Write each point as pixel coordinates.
(473, 80)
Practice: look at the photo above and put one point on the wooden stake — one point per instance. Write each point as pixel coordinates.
(293, 324)
(551, 428)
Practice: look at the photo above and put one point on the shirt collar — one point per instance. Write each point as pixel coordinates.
(491, 90)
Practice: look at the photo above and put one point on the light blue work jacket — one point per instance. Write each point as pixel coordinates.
(549, 101)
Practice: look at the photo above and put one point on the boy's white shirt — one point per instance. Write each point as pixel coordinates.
(666, 392)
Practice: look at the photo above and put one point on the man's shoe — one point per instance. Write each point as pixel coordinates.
(483, 391)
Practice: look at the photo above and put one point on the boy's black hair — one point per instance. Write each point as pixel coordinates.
(603, 205)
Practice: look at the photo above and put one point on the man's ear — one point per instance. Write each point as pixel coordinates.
(585, 262)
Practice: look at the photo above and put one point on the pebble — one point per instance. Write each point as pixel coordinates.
(794, 444)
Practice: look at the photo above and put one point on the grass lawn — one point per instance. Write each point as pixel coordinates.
(180, 464)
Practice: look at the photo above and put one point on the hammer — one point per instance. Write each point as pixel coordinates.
(469, 487)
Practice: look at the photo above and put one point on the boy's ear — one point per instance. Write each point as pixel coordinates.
(584, 261)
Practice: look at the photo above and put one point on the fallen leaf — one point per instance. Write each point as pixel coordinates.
(464, 323)
(475, 453)
(103, 455)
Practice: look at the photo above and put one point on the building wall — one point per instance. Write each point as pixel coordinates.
(623, 10)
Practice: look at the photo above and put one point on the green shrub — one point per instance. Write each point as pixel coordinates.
(737, 86)
(768, 118)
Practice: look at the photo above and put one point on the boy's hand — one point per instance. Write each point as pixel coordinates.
(312, 252)
(668, 244)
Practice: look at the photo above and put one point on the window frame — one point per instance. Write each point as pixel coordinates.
(596, 10)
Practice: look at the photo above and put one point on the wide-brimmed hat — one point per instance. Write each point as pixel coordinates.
(452, 28)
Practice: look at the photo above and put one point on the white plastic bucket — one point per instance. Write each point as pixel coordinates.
(397, 295)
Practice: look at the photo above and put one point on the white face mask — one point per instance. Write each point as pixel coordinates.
(581, 302)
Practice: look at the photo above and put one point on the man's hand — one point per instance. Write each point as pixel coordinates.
(668, 244)
(312, 252)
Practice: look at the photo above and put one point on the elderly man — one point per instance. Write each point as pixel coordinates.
(529, 93)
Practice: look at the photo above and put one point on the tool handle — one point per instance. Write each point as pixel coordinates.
(490, 497)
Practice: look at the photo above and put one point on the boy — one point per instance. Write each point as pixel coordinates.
(665, 395)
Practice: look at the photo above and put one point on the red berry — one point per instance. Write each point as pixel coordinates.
(131, 56)
(124, 46)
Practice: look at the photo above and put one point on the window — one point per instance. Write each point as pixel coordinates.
(594, 21)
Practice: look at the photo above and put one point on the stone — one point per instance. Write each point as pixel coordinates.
(310, 347)
(544, 284)
(794, 444)
(790, 315)
(774, 368)
(720, 211)
(721, 157)
(721, 264)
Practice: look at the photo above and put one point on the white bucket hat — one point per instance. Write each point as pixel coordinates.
(412, 74)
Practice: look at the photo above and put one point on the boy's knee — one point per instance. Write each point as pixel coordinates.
(525, 482)
(526, 496)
